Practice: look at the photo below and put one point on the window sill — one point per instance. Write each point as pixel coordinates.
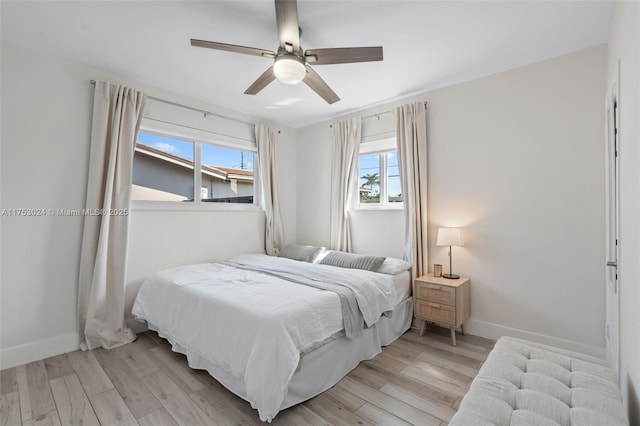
(164, 206)
(379, 208)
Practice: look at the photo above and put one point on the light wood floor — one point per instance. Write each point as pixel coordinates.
(416, 380)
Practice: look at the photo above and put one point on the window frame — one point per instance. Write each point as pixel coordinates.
(197, 204)
(383, 146)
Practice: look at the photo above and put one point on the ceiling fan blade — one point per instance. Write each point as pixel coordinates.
(287, 22)
(262, 82)
(343, 55)
(233, 48)
(318, 85)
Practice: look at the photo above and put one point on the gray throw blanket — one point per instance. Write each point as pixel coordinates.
(352, 317)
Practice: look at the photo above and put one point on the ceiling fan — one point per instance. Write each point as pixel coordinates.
(291, 62)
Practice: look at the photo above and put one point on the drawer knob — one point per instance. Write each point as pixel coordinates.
(435, 305)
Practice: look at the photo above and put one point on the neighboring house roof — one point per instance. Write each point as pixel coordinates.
(233, 171)
(222, 173)
(143, 193)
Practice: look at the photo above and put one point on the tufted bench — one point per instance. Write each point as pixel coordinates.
(525, 383)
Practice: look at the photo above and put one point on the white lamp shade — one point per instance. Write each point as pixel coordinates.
(289, 70)
(449, 237)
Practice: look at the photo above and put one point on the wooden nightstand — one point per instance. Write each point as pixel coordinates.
(442, 301)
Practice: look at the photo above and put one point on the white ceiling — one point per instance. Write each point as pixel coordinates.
(427, 44)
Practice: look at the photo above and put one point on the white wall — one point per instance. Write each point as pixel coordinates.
(624, 45)
(46, 120)
(45, 111)
(314, 193)
(516, 159)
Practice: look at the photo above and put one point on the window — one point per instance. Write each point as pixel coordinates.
(164, 169)
(369, 178)
(227, 175)
(379, 176)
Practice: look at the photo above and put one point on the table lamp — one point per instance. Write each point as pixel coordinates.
(450, 237)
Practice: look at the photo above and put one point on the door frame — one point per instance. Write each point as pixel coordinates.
(612, 207)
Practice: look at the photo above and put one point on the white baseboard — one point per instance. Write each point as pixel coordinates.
(495, 331)
(41, 349)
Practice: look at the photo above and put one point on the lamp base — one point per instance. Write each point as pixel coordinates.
(451, 276)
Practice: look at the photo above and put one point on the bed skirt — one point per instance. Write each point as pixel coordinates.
(321, 368)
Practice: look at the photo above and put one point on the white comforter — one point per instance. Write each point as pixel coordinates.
(254, 325)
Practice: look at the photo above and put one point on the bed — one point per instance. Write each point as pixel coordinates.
(277, 331)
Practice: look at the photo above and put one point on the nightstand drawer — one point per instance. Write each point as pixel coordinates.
(436, 312)
(436, 293)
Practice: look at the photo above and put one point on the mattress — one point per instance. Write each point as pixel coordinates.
(254, 327)
(402, 283)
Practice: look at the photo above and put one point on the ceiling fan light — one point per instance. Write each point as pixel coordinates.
(289, 70)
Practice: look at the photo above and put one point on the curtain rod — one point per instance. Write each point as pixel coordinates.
(377, 115)
(206, 113)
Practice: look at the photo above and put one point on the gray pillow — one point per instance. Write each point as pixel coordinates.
(352, 260)
(300, 252)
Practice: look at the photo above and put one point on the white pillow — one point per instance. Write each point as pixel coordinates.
(393, 266)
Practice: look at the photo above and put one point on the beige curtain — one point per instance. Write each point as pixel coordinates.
(117, 112)
(411, 134)
(267, 188)
(344, 178)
